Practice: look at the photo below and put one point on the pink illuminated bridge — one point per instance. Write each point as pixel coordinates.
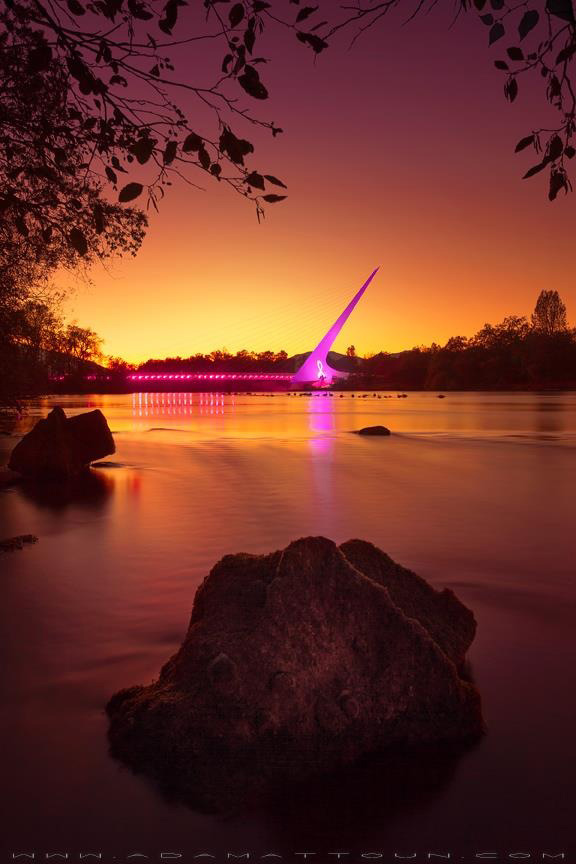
(241, 376)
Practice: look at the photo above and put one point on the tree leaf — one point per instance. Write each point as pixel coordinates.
(249, 39)
(130, 192)
(496, 32)
(566, 53)
(76, 8)
(534, 170)
(561, 9)
(192, 142)
(143, 149)
(316, 43)
(170, 152)
(256, 180)
(554, 88)
(170, 16)
(275, 181)
(511, 89)
(501, 64)
(305, 12)
(236, 14)
(523, 143)
(81, 73)
(139, 10)
(555, 148)
(204, 158)
(529, 21)
(515, 53)
(236, 148)
(272, 199)
(558, 181)
(78, 241)
(251, 83)
(116, 163)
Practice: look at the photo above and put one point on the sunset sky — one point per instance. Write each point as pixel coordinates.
(397, 152)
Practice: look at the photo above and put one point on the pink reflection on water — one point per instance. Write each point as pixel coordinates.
(322, 423)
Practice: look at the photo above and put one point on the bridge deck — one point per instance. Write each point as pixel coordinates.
(226, 376)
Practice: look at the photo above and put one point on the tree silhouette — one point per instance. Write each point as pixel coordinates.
(81, 343)
(51, 207)
(549, 316)
(87, 94)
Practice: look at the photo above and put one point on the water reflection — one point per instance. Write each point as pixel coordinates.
(364, 800)
(90, 490)
(322, 424)
(374, 793)
(465, 491)
(180, 404)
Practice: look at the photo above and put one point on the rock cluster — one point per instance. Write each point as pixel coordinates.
(61, 447)
(299, 661)
(11, 544)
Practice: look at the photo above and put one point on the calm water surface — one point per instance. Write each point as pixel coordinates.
(475, 492)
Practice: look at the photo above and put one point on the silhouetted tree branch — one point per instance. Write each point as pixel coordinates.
(87, 94)
(89, 118)
(543, 43)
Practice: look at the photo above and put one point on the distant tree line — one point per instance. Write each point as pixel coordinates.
(515, 354)
(217, 361)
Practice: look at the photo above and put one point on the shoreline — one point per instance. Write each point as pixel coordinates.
(185, 387)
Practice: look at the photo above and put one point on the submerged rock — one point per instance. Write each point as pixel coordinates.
(14, 543)
(301, 661)
(62, 447)
(374, 430)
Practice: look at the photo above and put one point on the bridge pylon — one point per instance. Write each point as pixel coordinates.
(316, 370)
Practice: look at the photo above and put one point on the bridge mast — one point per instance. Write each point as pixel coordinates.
(316, 369)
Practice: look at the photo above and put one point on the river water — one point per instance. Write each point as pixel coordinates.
(473, 491)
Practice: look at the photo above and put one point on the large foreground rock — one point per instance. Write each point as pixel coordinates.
(300, 661)
(61, 447)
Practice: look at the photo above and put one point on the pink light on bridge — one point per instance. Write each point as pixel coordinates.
(199, 376)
